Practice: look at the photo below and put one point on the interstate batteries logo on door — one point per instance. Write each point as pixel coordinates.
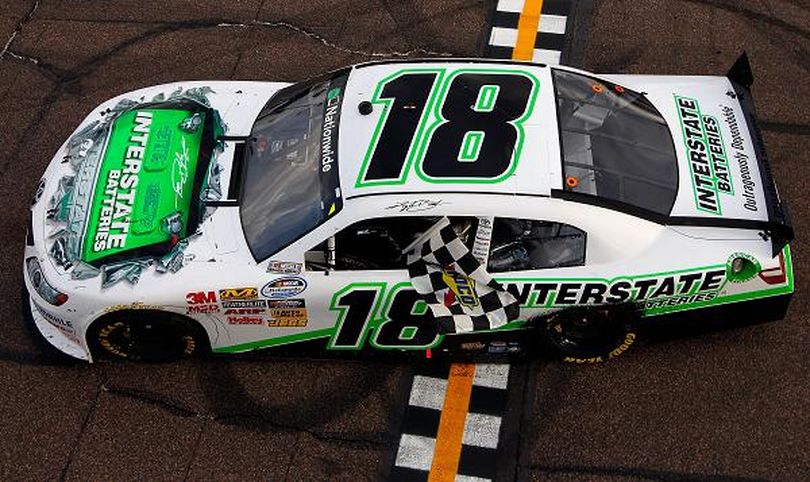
(145, 181)
(708, 162)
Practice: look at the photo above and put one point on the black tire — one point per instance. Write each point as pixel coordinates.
(146, 336)
(588, 334)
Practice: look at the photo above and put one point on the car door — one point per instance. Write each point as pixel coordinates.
(542, 263)
(365, 298)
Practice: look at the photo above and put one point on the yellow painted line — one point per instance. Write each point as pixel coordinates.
(527, 30)
(447, 452)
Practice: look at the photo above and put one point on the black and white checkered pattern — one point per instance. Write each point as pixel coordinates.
(439, 252)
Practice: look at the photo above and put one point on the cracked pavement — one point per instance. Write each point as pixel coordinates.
(255, 417)
(723, 406)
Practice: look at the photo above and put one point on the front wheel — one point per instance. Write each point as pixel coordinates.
(147, 336)
(589, 334)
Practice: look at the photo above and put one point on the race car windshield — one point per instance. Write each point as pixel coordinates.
(615, 144)
(290, 176)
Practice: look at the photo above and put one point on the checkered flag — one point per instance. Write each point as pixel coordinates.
(462, 296)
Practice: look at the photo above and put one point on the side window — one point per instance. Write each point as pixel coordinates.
(525, 244)
(373, 244)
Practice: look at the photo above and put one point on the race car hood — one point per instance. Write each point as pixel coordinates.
(129, 183)
(724, 177)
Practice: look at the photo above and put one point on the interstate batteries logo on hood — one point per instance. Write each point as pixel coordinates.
(144, 186)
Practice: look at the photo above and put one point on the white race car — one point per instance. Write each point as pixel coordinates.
(225, 217)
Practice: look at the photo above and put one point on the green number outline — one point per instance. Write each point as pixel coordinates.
(385, 319)
(423, 135)
(517, 124)
(386, 103)
(378, 287)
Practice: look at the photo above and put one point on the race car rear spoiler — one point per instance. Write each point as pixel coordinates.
(778, 227)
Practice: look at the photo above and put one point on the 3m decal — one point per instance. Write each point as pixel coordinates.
(200, 297)
(202, 302)
(238, 294)
(145, 177)
(476, 116)
(706, 156)
(284, 287)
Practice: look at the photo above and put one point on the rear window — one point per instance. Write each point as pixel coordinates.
(615, 144)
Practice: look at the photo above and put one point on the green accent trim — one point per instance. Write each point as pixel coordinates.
(419, 308)
(486, 98)
(281, 340)
(408, 333)
(378, 287)
(471, 146)
(517, 124)
(386, 103)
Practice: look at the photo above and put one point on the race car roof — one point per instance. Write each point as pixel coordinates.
(449, 126)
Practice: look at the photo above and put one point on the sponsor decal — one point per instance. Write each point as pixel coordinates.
(284, 287)
(202, 302)
(737, 143)
(62, 324)
(289, 313)
(146, 176)
(284, 267)
(742, 267)
(654, 291)
(463, 287)
(238, 294)
(244, 311)
(138, 305)
(329, 133)
(245, 320)
(244, 304)
(706, 156)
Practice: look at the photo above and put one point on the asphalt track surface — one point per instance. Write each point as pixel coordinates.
(730, 405)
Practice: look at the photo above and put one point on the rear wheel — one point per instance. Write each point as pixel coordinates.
(589, 334)
(148, 336)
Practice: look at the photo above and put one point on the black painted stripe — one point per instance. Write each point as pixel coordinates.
(549, 41)
(421, 421)
(556, 7)
(404, 474)
(236, 171)
(487, 400)
(505, 19)
(478, 462)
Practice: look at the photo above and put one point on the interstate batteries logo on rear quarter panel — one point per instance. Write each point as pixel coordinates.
(144, 186)
(284, 287)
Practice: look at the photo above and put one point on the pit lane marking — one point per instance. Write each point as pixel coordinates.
(451, 428)
(532, 30)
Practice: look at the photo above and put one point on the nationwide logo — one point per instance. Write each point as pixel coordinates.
(238, 294)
